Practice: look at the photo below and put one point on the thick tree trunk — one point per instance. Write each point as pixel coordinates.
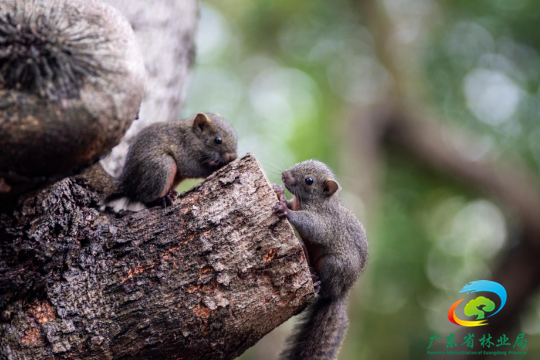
(205, 278)
(88, 128)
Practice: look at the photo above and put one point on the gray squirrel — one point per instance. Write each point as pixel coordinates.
(165, 153)
(337, 250)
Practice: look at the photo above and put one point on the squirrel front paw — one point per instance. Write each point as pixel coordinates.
(278, 189)
(281, 209)
(168, 199)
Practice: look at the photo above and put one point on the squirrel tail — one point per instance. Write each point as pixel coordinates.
(320, 332)
(108, 187)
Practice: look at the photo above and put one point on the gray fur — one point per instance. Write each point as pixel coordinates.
(337, 247)
(158, 148)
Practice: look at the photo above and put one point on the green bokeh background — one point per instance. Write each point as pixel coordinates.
(287, 74)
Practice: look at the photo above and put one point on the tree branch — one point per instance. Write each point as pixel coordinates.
(205, 278)
(397, 123)
(441, 149)
(511, 186)
(444, 150)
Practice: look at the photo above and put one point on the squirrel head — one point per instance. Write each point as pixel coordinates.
(310, 180)
(217, 140)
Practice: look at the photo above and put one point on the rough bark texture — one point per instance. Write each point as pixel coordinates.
(205, 278)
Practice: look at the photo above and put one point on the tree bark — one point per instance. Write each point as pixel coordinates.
(71, 83)
(205, 278)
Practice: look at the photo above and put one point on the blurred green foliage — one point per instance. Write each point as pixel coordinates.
(286, 73)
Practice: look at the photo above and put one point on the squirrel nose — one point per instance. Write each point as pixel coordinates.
(227, 158)
(287, 178)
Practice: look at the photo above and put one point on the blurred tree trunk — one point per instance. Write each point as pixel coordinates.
(205, 278)
(401, 123)
(166, 32)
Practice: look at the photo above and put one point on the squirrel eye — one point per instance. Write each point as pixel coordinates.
(218, 140)
(309, 181)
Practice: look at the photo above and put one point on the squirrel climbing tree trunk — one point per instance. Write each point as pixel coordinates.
(205, 278)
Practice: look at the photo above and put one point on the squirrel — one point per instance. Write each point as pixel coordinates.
(336, 248)
(162, 155)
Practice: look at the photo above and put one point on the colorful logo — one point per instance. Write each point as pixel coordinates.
(481, 305)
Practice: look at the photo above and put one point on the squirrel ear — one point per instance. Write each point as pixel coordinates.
(201, 121)
(330, 187)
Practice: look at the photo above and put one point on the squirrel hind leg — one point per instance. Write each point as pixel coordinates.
(164, 201)
(150, 182)
(170, 198)
(336, 281)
